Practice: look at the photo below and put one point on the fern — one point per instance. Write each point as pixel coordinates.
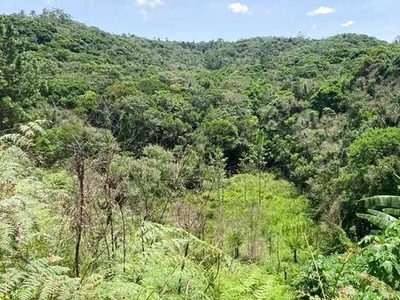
(17, 139)
(37, 280)
(6, 237)
(25, 276)
(98, 287)
(32, 129)
(175, 239)
(24, 139)
(14, 165)
(251, 282)
(165, 249)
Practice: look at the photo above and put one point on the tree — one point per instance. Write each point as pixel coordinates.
(373, 159)
(84, 146)
(222, 134)
(328, 97)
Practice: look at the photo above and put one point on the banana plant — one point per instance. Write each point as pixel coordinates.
(387, 216)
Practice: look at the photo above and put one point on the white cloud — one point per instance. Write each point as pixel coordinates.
(314, 26)
(150, 3)
(322, 10)
(49, 2)
(348, 23)
(238, 8)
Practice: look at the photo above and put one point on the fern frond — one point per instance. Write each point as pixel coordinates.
(11, 280)
(37, 280)
(26, 131)
(11, 206)
(6, 237)
(20, 154)
(17, 140)
(36, 126)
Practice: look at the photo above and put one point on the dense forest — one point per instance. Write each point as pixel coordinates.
(130, 168)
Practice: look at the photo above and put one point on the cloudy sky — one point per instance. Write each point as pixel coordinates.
(195, 20)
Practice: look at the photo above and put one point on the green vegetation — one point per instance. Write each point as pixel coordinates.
(146, 169)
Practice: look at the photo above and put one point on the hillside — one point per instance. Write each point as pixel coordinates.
(219, 170)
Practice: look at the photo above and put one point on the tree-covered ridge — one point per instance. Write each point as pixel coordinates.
(220, 170)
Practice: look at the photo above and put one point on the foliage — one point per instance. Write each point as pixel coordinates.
(266, 225)
(177, 170)
(251, 282)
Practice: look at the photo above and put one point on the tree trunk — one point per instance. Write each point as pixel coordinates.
(259, 187)
(236, 254)
(183, 267)
(123, 236)
(285, 274)
(277, 255)
(80, 170)
(110, 220)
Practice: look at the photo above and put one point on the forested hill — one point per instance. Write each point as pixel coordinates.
(176, 132)
(311, 98)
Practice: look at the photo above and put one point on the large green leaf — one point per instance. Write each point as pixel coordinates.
(378, 218)
(382, 201)
(380, 222)
(392, 211)
(382, 215)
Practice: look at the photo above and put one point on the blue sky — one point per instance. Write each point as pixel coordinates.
(196, 20)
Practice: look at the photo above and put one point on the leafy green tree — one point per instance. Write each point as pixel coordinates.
(372, 163)
(328, 97)
(18, 78)
(222, 134)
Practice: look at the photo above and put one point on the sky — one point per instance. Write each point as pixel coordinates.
(204, 20)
